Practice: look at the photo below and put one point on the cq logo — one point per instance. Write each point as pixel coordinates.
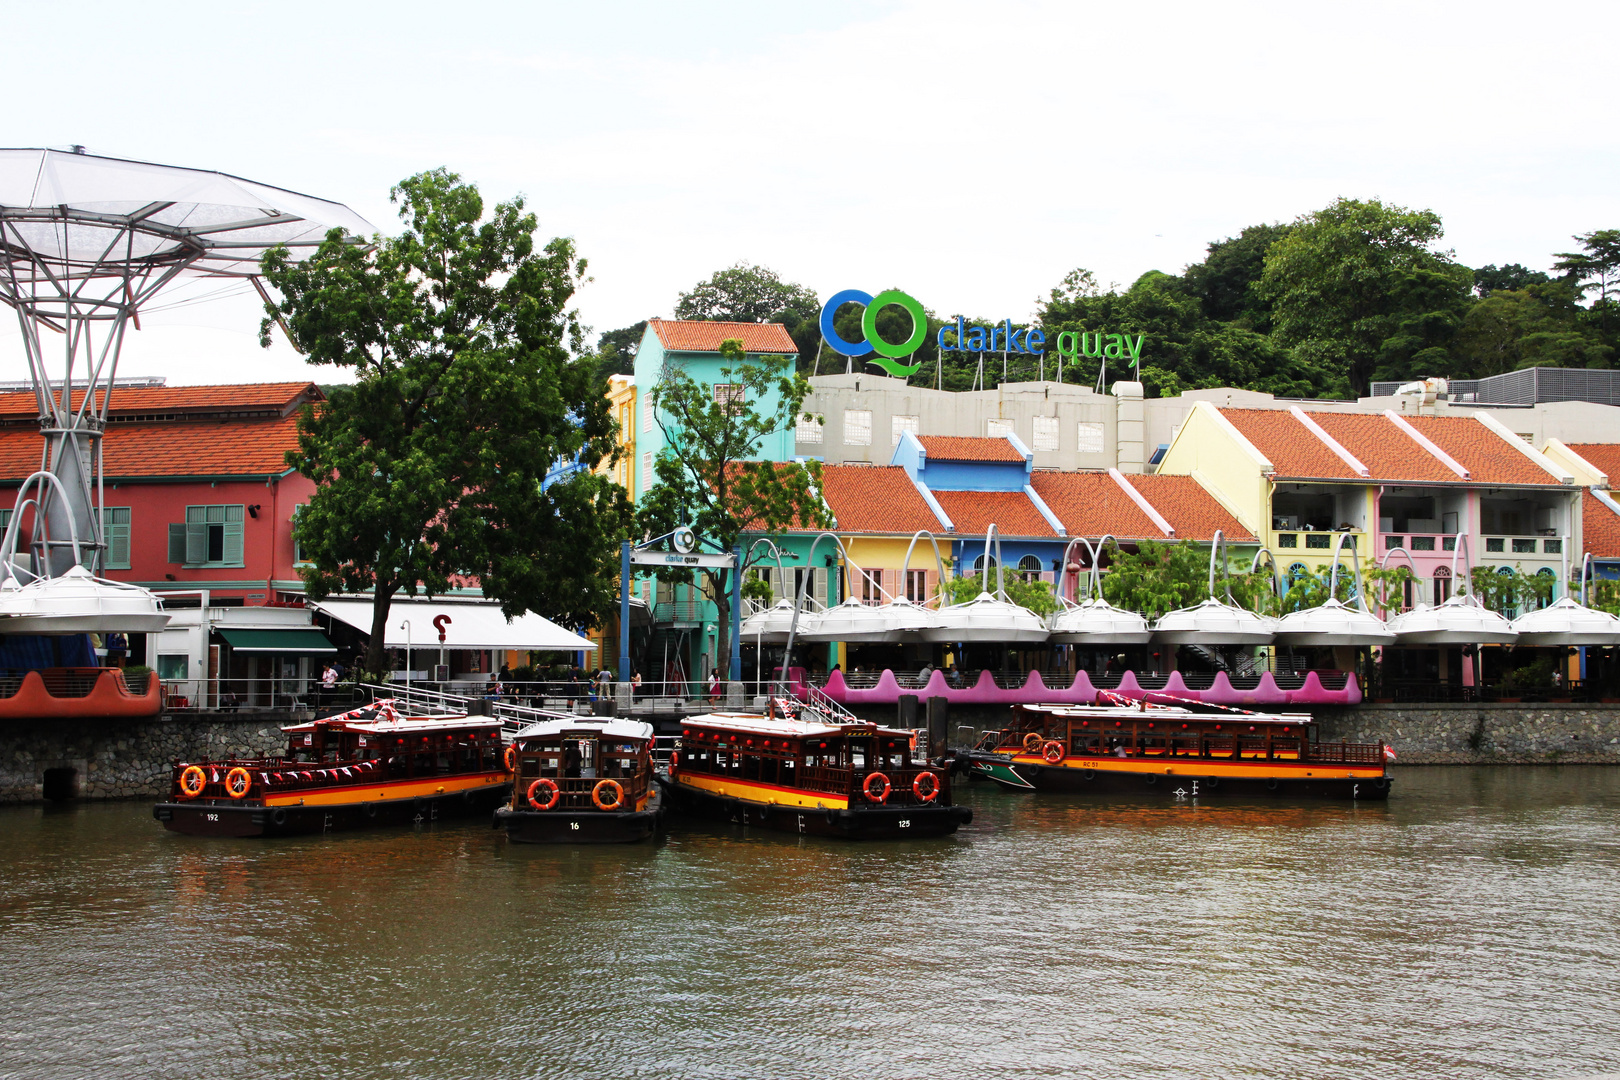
(871, 343)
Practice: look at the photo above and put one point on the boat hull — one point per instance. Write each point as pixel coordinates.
(581, 826)
(218, 817)
(856, 823)
(1186, 778)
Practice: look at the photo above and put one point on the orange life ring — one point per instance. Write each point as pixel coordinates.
(866, 787)
(933, 787)
(511, 759)
(674, 758)
(192, 781)
(618, 795)
(1053, 752)
(238, 782)
(1032, 742)
(544, 784)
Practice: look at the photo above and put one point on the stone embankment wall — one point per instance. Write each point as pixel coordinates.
(118, 759)
(1486, 734)
(1491, 734)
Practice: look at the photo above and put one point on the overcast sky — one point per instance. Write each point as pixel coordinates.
(969, 153)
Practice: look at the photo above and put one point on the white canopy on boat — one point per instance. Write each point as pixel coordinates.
(1213, 623)
(616, 728)
(1458, 621)
(78, 602)
(986, 619)
(1334, 623)
(1097, 622)
(468, 624)
(1566, 622)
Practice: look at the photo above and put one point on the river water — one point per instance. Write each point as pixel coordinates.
(1467, 928)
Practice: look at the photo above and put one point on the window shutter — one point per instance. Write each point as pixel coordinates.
(196, 542)
(118, 547)
(179, 542)
(233, 544)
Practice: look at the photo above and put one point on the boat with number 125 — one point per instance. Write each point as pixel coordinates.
(807, 772)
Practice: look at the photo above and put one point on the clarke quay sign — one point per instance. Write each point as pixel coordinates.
(958, 336)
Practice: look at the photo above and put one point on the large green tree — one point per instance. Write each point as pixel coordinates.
(468, 388)
(708, 474)
(1597, 264)
(1359, 287)
(757, 294)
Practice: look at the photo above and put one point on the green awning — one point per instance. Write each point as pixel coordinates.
(280, 642)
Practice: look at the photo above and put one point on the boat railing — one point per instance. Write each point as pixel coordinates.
(575, 792)
(1346, 753)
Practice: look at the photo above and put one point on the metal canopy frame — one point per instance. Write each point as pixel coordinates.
(85, 241)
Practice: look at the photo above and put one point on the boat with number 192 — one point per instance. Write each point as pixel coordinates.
(371, 766)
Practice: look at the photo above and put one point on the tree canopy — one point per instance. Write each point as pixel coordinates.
(468, 388)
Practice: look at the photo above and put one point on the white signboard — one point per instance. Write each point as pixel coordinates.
(671, 558)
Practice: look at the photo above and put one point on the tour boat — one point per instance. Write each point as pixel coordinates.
(807, 772)
(582, 782)
(369, 766)
(1169, 749)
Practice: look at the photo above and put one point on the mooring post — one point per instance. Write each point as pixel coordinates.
(908, 711)
(939, 711)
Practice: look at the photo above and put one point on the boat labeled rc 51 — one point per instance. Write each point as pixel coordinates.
(1167, 749)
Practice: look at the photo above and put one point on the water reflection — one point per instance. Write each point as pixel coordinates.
(1464, 928)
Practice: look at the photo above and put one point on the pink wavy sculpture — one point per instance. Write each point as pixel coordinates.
(1034, 690)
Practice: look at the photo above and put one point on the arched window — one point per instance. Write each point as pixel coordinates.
(978, 564)
(1297, 572)
(1508, 606)
(1550, 584)
(1029, 567)
(1442, 585)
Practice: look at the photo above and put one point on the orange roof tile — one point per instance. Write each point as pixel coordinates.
(1602, 456)
(1194, 513)
(1091, 504)
(229, 448)
(1011, 512)
(1600, 527)
(1388, 452)
(680, 335)
(875, 499)
(1292, 447)
(1485, 454)
(968, 448)
(147, 399)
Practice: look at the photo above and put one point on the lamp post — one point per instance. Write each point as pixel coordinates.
(405, 625)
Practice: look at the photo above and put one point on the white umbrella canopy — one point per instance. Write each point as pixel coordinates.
(78, 602)
(854, 622)
(1458, 621)
(1097, 622)
(984, 619)
(1213, 623)
(1334, 623)
(769, 626)
(80, 211)
(1565, 622)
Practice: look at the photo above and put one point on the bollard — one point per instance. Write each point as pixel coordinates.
(939, 709)
(908, 711)
(603, 707)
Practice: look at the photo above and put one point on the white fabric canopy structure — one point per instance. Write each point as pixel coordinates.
(85, 241)
(471, 625)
